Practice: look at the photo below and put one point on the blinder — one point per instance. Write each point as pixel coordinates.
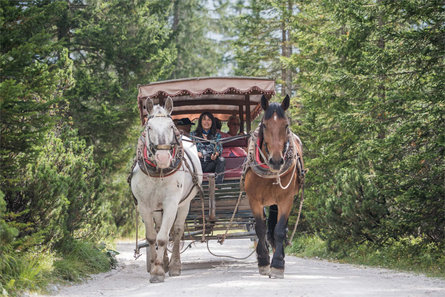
(168, 147)
(147, 152)
(286, 145)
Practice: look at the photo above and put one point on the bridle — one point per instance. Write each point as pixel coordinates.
(152, 148)
(147, 160)
(265, 158)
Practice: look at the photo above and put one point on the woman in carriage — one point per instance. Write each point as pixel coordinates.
(209, 152)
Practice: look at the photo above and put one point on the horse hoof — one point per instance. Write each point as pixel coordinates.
(264, 270)
(157, 279)
(174, 273)
(276, 272)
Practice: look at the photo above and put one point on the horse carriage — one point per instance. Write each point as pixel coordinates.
(206, 211)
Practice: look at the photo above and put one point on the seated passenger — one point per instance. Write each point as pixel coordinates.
(209, 153)
(184, 125)
(234, 124)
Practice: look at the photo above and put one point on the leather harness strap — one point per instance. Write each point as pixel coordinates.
(261, 169)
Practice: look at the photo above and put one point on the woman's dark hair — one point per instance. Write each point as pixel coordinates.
(199, 129)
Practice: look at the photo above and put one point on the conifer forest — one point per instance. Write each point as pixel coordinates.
(366, 80)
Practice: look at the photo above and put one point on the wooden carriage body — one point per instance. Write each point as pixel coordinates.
(223, 97)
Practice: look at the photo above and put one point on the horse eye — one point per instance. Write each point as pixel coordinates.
(264, 126)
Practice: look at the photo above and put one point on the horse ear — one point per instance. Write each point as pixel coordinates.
(285, 103)
(149, 105)
(168, 106)
(264, 102)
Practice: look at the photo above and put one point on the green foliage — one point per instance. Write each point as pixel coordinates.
(7, 232)
(370, 109)
(370, 83)
(355, 211)
(258, 44)
(68, 109)
(36, 70)
(62, 188)
(35, 269)
(261, 40)
(24, 271)
(111, 55)
(197, 53)
(81, 259)
(408, 254)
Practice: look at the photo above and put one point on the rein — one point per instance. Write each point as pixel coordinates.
(261, 167)
(196, 139)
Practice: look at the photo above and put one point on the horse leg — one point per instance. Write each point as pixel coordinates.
(158, 220)
(150, 235)
(168, 217)
(277, 265)
(262, 248)
(271, 223)
(178, 230)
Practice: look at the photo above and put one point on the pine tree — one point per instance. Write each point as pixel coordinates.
(370, 78)
(36, 71)
(115, 45)
(262, 44)
(197, 53)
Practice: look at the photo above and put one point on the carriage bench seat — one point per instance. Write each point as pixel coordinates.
(234, 165)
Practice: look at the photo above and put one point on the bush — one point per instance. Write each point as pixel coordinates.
(413, 254)
(354, 210)
(81, 258)
(62, 189)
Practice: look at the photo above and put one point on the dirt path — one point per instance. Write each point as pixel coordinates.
(204, 275)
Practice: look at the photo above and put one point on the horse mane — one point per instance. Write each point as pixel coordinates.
(274, 107)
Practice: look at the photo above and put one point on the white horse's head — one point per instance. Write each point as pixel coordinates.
(160, 132)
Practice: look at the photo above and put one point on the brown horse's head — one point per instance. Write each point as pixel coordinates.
(274, 132)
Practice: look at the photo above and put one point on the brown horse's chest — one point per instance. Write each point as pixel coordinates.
(266, 191)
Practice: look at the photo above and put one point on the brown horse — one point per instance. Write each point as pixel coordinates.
(273, 177)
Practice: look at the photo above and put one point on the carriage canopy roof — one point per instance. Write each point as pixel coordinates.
(222, 96)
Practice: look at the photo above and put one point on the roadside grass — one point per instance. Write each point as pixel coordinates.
(24, 271)
(82, 259)
(408, 254)
(35, 270)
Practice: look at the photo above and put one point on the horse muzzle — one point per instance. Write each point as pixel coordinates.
(163, 158)
(275, 165)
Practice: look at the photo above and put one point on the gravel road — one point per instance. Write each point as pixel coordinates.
(204, 275)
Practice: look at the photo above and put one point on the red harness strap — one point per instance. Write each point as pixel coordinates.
(151, 164)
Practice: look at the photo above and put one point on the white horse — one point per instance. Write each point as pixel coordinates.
(164, 198)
